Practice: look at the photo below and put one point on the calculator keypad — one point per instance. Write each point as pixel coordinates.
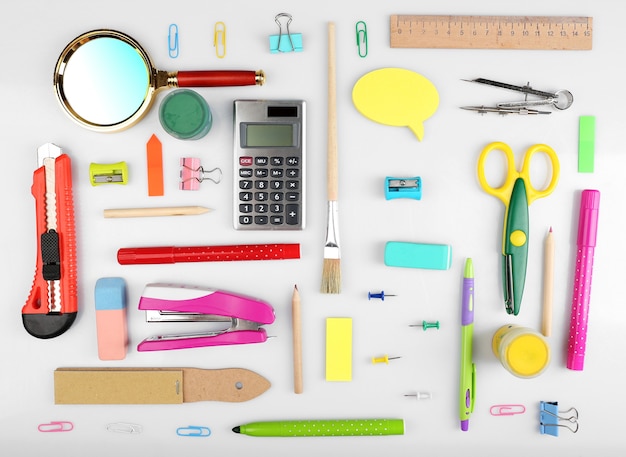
(270, 192)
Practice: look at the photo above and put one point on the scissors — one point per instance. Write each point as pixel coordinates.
(517, 193)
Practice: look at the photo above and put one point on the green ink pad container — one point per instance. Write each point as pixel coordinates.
(185, 115)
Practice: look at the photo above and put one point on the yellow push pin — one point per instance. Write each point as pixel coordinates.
(383, 359)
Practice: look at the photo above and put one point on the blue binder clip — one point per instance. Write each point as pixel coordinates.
(289, 42)
(403, 188)
(550, 418)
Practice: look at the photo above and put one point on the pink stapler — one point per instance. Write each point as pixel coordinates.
(178, 303)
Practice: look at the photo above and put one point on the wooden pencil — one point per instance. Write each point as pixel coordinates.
(548, 284)
(297, 341)
(155, 211)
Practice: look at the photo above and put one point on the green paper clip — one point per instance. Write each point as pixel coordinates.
(111, 173)
(361, 38)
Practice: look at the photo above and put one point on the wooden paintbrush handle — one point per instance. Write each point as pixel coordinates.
(332, 159)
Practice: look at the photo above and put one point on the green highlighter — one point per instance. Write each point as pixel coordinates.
(340, 427)
(586, 143)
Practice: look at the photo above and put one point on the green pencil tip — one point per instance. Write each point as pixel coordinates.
(469, 268)
(236, 430)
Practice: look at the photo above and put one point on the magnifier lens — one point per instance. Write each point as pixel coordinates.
(106, 81)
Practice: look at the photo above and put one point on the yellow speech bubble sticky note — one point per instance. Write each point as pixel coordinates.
(397, 97)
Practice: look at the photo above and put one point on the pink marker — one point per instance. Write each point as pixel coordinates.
(587, 233)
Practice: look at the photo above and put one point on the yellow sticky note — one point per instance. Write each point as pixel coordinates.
(339, 349)
(397, 97)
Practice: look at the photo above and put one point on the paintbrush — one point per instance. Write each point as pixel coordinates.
(331, 274)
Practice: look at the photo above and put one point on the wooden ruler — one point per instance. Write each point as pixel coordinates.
(491, 32)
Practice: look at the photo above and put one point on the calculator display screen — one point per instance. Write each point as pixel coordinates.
(269, 135)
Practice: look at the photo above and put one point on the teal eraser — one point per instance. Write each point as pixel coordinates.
(418, 255)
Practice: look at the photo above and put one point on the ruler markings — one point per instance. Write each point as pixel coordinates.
(477, 32)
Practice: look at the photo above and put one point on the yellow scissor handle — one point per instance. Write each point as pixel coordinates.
(504, 191)
(532, 192)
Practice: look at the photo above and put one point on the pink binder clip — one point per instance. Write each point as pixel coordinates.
(192, 174)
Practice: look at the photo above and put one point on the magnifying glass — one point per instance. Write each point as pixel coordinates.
(105, 81)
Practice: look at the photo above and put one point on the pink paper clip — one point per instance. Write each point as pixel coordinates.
(506, 410)
(192, 174)
(56, 426)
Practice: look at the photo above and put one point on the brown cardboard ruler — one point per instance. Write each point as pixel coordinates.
(491, 32)
(91, 386)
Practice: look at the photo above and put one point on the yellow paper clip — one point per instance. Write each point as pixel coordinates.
(108, 173)
(361, 38)
(172, 41)
(219, 39)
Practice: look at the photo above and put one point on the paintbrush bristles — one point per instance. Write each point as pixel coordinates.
(331, 276)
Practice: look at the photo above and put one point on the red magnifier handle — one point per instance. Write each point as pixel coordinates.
(220, 78)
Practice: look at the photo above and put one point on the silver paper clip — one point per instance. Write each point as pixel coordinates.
(219, 39)
(506, 410)
(172, 41)
(278, 43)
(124, 427)
(56, 426)
(551, 419)
(361, 38)
(193, 431)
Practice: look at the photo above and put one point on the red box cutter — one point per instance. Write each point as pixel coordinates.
(52, 304)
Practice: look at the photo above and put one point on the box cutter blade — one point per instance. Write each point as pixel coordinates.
(52, 304)
(180, 303)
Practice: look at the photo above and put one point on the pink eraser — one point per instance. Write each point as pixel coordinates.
(111, 327)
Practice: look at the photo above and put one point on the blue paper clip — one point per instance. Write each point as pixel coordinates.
(361, 38)
(403, 188)
(172, 41)
(290, 42)
(550, 416)
(194, 431)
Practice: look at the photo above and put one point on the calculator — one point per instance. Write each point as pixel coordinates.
(269, 165)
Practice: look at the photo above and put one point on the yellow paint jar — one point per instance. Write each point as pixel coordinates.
(521, 350)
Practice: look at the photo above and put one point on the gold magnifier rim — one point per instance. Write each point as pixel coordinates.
(69, 51)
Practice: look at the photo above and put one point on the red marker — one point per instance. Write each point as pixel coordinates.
(172, 254)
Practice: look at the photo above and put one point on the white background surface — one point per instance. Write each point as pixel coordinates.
(453, 210)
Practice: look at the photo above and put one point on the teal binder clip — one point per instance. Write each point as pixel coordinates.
(550, 418)
(403, 188)
(289, 42)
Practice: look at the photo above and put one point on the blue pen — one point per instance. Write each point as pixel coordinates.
(468, 369)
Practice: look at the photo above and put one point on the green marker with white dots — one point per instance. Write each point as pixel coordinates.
(340, 427)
